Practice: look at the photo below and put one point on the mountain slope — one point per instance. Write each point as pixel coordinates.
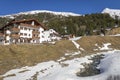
(112, 12)
(65, 23)
(42, 11)
(14, 56)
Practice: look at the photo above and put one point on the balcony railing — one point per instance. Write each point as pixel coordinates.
(33, 37)
(15, 36)
(15, 29)
(28, 25)
(35, 32)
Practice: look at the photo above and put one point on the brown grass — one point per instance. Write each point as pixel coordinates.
(16, 56)
(114, 31)
(1, 78)
(88, 42)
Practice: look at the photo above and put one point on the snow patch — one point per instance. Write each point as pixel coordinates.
(115, 35)
(75, 53)
(62, 58)
(72, 54)
(110, 64)
(105, 46)
(28, 74)
(49, 70)
(76, 44)
(75, 39)
(82, 49)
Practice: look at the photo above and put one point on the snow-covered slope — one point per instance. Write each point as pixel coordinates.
(112, 12)
(52, 12)
(52, 70)
(42, 11)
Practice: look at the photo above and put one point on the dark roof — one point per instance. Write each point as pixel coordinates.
(26, 20)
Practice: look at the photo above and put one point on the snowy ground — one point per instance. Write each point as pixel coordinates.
(115, 35)
(66, 70)
(76, 44)
(104, 47)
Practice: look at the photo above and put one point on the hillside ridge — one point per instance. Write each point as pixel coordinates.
(41, 11)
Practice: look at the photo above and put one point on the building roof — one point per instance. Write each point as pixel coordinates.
(21, 21)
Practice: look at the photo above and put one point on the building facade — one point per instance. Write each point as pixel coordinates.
(23, 31)
(51, 35)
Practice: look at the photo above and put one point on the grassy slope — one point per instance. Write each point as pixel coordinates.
(114, 31)
(15, 56)
(88, 43)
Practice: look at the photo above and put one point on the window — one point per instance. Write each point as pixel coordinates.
(25, 34)
(16, 33)
(21, 34)
(42, 36)
(7, 41)
(15, 25)
(29, 34)
(33, 29)
(25, 28)
(21, 28)
(34, 35)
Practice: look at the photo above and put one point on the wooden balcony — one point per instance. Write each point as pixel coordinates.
(35, 32)
(15, 36)
(1, 34)
(28, 25)
(15, 30)
(35, 37)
